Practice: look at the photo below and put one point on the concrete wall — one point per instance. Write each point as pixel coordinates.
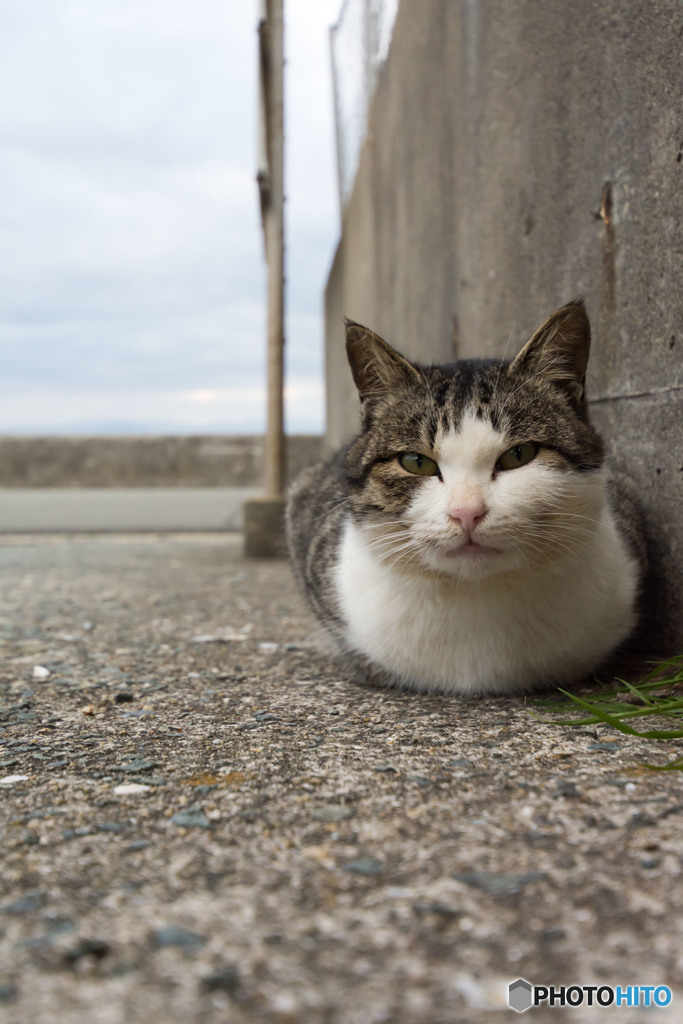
(121, 484)
(201, 461)
(520, 154)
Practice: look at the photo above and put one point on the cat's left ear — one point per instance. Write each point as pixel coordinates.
(559, 351)
(376, 367)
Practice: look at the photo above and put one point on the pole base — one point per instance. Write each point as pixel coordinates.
(264, 528)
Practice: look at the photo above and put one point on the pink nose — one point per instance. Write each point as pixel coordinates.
(468, 516)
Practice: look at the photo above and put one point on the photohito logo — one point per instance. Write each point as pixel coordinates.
(522, 995)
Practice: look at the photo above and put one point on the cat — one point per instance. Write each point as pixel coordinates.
(469, 540)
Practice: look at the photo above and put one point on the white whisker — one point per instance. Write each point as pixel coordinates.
(505, 350)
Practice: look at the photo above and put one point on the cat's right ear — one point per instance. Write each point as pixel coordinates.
(376, 367)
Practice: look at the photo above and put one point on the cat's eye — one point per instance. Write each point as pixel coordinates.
(414, 462)
(518, 455)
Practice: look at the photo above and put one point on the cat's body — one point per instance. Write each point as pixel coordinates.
(469, 540)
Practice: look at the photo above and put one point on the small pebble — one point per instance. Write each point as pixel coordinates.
(567, 788)
(96, 948)
(364, 866)
(72, 833)
(10, 780)
(419, 779)
(133, 767)
(225, 980)
(40, 672)
(434, 907)
(193, 817)
(172, 935)
(27, 904)
(499, 883)
(265, 716)
(331, 814)
(130, 788)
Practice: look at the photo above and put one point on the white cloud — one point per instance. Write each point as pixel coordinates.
(132, 262)
(136, 409)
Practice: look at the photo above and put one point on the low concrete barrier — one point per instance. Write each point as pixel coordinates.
(145, 461)
(132, 484)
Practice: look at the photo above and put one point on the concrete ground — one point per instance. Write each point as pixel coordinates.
(201, 821)
(106, 509)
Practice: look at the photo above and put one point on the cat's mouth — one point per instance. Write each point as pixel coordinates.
(470, 549)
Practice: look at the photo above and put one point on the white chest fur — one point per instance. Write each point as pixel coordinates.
(504, 634)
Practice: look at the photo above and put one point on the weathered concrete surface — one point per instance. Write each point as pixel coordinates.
(112, 509)
(305, 850)
(518, 155)
(219, 460)
(264, 528)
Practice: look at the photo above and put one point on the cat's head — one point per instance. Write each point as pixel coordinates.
(478, 467)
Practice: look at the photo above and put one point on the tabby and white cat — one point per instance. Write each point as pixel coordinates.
(469, 540)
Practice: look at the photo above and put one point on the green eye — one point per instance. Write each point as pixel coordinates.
(518, 456)
(413, 462)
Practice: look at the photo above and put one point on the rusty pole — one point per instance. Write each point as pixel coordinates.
(264, 517)
(273, 225)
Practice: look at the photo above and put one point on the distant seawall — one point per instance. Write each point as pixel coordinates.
(145, 461)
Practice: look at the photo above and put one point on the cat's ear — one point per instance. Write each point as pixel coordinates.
(559, 351)
(376, 367)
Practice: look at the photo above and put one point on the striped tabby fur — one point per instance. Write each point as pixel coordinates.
(502, 559)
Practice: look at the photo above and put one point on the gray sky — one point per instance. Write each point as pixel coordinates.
(132, 279)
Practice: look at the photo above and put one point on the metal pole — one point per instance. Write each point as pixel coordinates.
(275, 242)
(336, 93)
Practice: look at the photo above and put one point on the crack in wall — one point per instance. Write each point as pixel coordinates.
(636, 394)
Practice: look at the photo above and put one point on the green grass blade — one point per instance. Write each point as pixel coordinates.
(659, 694)
(672, 766)
(616, 723)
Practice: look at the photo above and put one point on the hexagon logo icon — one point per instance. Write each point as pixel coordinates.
(519, 995)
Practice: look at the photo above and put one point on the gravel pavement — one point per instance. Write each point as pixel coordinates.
(201, 821)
